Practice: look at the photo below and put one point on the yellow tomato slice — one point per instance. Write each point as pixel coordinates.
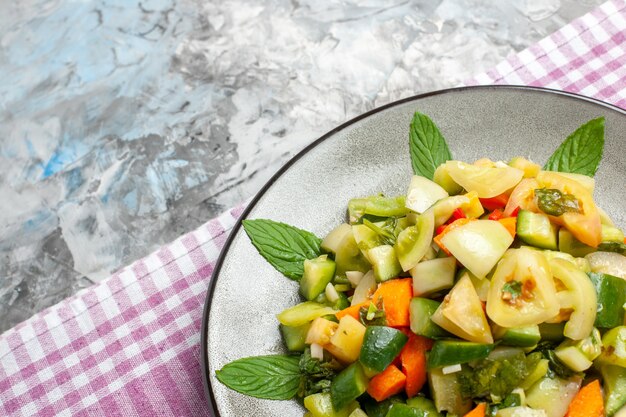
(522, 291)
(585, 226)
(487, 181)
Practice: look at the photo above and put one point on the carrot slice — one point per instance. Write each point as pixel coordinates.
(588, 402)
(510, 223)
(389, 382)
(413, 359)
(396, 296)
(479, 411)
(352, 310)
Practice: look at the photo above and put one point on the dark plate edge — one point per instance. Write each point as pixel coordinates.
(218, 264)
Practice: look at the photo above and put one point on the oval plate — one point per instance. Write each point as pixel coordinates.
(366, 156)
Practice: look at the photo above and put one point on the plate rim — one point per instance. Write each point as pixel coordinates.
(206, 381)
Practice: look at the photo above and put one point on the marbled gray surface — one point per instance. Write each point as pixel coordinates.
(125, 123)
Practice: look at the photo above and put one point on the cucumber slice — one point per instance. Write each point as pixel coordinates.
(332, 241)
(446, 392)
(320, 405)
(384, 262)
(349, 257)
(414, 241)
(318, 273)
(404, 410)
(536, 230)
(552, 332)
(611, 293)
(425, 405)
(421, 310)
(348, 385)
(380, 347)
(295, 336)
(612, 234)
(614, 382)
(573, 358)
(569, 244)
(358, 413)
(423, 193)
(452, 352)
(520, 336)
(539, 371)
(553, 394)
(432, 276)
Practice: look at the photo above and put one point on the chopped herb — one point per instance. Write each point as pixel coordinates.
(373, 315)
(316, 375)
(513, 289)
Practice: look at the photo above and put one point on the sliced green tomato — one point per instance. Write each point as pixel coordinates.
(320, 405)
(486, 181)
(443, 209)
(423, 193)
(580, 296)
(522, 291)
(478, 245)
(608, 263)
(345, 343)
(414, 241)
(384, 262)
(581, 263)
(553, 394)
(303, 313)
(432, 276)
(461, 313)
(333, 240)
(358, 413)
(376, 205)
(365, 238)
(443, 178)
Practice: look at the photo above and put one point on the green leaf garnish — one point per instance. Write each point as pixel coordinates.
(581, 152)
(272, 377)
(427, 145)
(514, 288)
(284, 247)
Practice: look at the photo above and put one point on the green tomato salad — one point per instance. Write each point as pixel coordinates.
(488, 289)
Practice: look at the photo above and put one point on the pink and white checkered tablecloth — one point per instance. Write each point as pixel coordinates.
(130, 346)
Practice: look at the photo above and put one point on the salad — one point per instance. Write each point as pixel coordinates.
(488, 289)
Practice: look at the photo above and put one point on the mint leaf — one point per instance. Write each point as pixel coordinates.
(581, 152)
(428, 147)
(272, 377)
(285, 247)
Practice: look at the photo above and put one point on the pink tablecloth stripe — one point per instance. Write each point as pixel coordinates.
(130, 345)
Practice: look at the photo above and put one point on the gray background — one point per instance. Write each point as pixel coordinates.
(125, 123)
